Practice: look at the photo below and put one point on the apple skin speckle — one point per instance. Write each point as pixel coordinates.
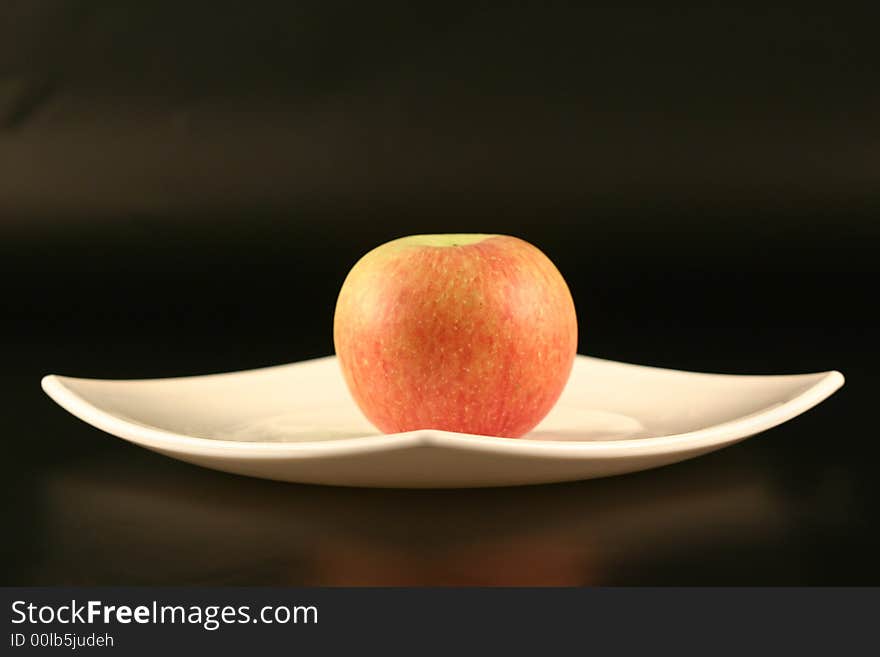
(479, 338)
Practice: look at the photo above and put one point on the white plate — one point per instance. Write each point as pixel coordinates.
(298, 423)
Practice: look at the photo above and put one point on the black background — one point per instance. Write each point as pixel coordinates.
(183, 188)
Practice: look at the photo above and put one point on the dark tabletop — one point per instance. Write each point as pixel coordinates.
(791, 506)
(182, 192)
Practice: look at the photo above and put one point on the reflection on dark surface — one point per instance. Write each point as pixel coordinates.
(131, 517)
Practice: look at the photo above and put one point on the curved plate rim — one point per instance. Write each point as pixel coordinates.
(716, 435)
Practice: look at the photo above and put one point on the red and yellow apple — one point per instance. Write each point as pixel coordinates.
(468, 333)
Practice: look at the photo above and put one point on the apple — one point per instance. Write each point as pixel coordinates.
(468, 333)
